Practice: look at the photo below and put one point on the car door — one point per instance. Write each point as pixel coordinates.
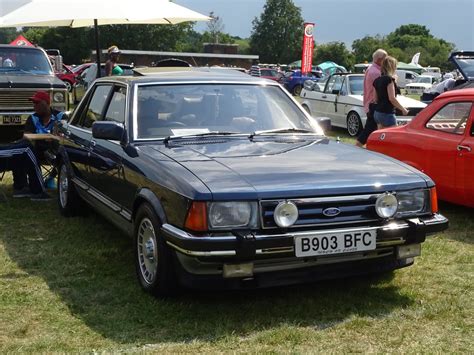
(443, 159)
(465, 163)
(79, 133)
(106, 168)
(333, 108)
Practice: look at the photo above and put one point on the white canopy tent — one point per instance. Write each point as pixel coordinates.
(84, 13)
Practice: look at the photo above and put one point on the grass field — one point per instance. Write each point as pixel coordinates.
(68, 285)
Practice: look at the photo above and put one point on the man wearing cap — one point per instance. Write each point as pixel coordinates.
(44, 118)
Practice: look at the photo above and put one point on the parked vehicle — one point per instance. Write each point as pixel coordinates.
(67, 76)
(420, 85)
(405, 77)
(432, 71)
(294, 80)
(267, 73)
(342, 101)
(464, 62)
(23, 71)
(223, 180)
(439, 142)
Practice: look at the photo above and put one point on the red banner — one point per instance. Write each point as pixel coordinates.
(308, 45)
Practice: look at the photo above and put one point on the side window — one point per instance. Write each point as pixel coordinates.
(94, 109)
(451, 118)
(330, 85)
(116, 110)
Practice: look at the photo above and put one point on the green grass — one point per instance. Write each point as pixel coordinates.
(68, 285)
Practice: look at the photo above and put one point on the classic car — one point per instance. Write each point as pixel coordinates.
(341, 100)
(223, 180)
(67, 76)
(438, 142)
(420, 85)
(294, 80)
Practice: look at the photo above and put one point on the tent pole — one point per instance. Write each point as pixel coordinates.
(97, 47)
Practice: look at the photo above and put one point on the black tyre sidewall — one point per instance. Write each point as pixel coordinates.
(73, 200)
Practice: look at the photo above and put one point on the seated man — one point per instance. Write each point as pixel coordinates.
(27, 179)
(42, 121)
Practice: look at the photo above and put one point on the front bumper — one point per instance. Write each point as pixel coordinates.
(203, 259)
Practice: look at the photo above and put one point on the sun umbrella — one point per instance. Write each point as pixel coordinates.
(84, 13)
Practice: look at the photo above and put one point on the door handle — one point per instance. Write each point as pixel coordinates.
(93, 143)
(68, 133)
(324, 97)
(464, 147)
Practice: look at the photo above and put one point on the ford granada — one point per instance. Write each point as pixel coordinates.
(223, 180)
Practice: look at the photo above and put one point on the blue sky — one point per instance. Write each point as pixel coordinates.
(347, 20)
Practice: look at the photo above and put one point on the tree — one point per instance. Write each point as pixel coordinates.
(364, 48)
(336, 52)
(215, 27)
(278, 33)
(7, 35)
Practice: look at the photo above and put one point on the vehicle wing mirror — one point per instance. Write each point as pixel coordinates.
(310, 85)
(335, 91)
(113, 131)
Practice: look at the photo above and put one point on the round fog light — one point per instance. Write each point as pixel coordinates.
(286, 214)
(386, 205)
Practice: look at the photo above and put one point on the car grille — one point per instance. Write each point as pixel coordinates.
(353, 209)
(16, 100)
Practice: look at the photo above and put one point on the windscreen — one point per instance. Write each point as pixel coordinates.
(356, 85)
(466, 65)
(24, 61)
(174, 110)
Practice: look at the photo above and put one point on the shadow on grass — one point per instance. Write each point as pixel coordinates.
(461, 223)
(89, 264)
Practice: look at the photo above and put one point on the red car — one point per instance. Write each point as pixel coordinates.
(69, 74)
(439, 141)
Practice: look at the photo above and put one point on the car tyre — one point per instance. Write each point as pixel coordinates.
(297, 90)
(153, 258)
(354, 124)
(69, 201)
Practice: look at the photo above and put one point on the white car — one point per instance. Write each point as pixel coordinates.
(341, 100)
(420, 85)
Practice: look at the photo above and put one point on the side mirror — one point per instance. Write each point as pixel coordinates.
(335, 92)
(310, 85)
(113, 131)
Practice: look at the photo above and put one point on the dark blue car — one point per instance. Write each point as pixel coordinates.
(223, 180)
(293, 80)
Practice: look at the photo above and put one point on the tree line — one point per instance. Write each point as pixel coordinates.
(276, 37)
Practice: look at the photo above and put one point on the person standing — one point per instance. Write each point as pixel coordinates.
(111, 66)
(372, 73)
(386, 91)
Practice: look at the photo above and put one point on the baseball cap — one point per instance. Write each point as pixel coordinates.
(41, 96)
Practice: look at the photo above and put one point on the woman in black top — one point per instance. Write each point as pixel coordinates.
(386, 91)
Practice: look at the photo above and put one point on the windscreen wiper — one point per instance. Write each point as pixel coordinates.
(281, 130)
(203, 134)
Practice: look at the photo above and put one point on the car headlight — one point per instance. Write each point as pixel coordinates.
(58, 97)
(235, 214)
(386, 205)
(286, 214)
(412, 202)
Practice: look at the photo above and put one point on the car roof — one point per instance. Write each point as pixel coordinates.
(184, 74)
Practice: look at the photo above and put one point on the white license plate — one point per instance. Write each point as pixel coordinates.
(11, 119)
(335, 243)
